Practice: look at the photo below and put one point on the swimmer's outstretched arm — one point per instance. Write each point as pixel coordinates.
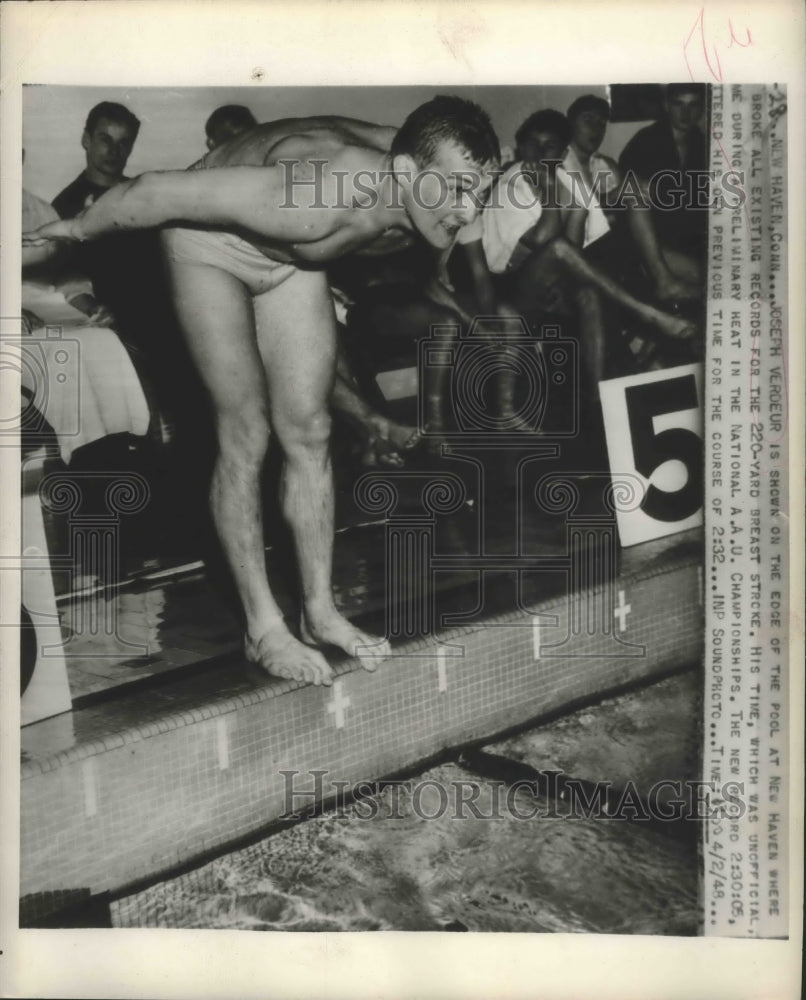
(254, 198)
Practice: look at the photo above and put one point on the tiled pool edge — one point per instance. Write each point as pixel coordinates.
(106, 814)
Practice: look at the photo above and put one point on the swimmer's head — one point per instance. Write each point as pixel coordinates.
(588, 117)
(226, 122)
(444, 157)
(543, 136)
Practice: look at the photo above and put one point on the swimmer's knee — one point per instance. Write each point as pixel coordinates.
(304, 432)
(243, 434)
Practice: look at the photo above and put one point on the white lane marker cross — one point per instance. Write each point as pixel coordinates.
(621, 611)
(442, 671)
(338, 704)
(89, 780)
(222, 743)
(536, 638)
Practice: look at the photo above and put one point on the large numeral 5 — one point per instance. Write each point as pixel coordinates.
(651, 450)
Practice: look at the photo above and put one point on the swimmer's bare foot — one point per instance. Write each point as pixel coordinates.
(335, 630)
(386, 440)
(280, 654)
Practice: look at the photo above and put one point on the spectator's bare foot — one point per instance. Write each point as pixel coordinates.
(280, 654)
(387, 442)
(434, 437)
(335, 630)
(673, 326)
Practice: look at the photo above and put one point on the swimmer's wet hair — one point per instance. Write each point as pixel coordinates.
(451, 119)
(547, 120)
(230, 119)
(588, 102)
(113, 112)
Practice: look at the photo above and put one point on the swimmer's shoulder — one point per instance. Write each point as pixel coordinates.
(327, 136)
(345, 143)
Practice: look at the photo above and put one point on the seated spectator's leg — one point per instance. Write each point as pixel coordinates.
(684, 266)
(593, 338)
(669, 286)
(296, 335)
(383, 439)
(512, 303)
(564, 260)
(215, 312)
(410, 318)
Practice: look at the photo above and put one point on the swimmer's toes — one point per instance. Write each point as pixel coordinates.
(337, 631)
(281, 655)
(374, 652)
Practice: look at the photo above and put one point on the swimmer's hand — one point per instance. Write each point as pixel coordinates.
(62, 230)
(96, 313)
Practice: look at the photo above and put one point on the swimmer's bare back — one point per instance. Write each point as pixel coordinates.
(260, 186)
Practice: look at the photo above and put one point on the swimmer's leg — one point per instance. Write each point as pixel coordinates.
(296, 331)
(215, 312)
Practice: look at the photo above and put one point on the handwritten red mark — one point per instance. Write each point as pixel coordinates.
(710, 49)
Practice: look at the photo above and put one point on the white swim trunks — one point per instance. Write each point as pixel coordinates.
(227, 252)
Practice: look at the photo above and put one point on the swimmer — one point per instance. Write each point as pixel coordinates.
(253, 299)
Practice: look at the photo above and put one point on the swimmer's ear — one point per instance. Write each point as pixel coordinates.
(405, 169)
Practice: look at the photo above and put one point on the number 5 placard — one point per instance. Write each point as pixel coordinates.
(653, 424)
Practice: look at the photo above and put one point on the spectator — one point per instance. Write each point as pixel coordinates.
(673, 152)
(520, 251)
(108, 139)
(125, 269)
(633, 236)
(226, 122)
(127, 275)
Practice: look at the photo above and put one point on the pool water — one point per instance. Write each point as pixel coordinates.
(344, 871)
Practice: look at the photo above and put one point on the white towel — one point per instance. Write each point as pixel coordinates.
(513, 210)
(84, 384)
(596, 224)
